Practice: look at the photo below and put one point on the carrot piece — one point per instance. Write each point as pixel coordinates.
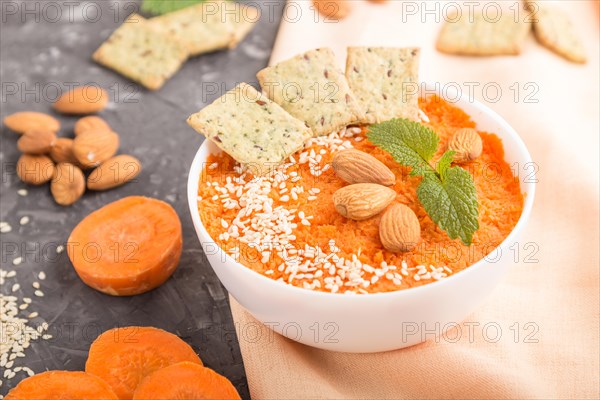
(186, 381)
(127, 247)
(124, 356)
(56, 385)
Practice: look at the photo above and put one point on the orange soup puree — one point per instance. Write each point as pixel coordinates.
(285, 225)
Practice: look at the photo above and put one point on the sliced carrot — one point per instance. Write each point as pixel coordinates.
(59, 385)
(124, 356)
(127, 247)
(186, 381)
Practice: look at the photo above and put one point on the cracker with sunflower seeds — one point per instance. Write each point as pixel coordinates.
(312, 88)
(480, 35)
(252, 129)
(554, 29)
(141, 53)
(385, 81)
(208, 26)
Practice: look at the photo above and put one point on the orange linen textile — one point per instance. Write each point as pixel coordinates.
(547, 311)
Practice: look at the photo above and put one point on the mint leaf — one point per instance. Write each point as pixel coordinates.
(158, 7)
(444, 163)
(447, 193)
(451, 204)
(410, 143)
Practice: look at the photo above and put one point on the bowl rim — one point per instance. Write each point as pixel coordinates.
(193, 180)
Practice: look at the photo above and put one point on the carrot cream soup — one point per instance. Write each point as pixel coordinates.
(285, 225)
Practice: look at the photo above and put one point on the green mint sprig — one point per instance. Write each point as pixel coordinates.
(447, 193)
(159, 7)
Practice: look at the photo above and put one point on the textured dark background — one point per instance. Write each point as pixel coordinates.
(42, 51)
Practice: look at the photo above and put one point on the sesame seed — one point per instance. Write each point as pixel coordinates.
(39, 293)
(17, 261)
(36, 285)
(60, 248)
(22, 192)
(15, 341)
(42, 275)
(15, 287)
(5, 227)
(33, 314)
(24, 220)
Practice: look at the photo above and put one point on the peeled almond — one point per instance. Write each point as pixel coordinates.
(36, 141)
(467, 145)
(91, 123)
(62, 151)
(35, 170)
(399, 229)
(92, 148)
(333, 9)
(114, 172)
(22, 122)
(68, 184)
(82, 100)
(362, 200)
(355, 166)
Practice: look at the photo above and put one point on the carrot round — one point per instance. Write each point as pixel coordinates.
(124, 356)
(186, 381)
(127, 247)
(58, 385)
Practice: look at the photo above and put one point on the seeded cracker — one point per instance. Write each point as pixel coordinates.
(251, 128)
(385, 81)
(141, 53)
(313, 89)
(553, 29)
(478, 35)
(208, 26)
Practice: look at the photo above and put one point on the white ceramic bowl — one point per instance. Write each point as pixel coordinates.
(374, 322)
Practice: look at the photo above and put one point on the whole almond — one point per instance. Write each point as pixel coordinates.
(93, 148)
(36, 141)
(114, 172)
(82, 100)
(355, 166)
(362, 200)
(35, 170)
(62, 151)
(399, 229)
(91, 123)
(332, 9)
(22, 122)
(467, 145)
(68, 184)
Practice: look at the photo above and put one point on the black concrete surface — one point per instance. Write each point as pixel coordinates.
(42, 53)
